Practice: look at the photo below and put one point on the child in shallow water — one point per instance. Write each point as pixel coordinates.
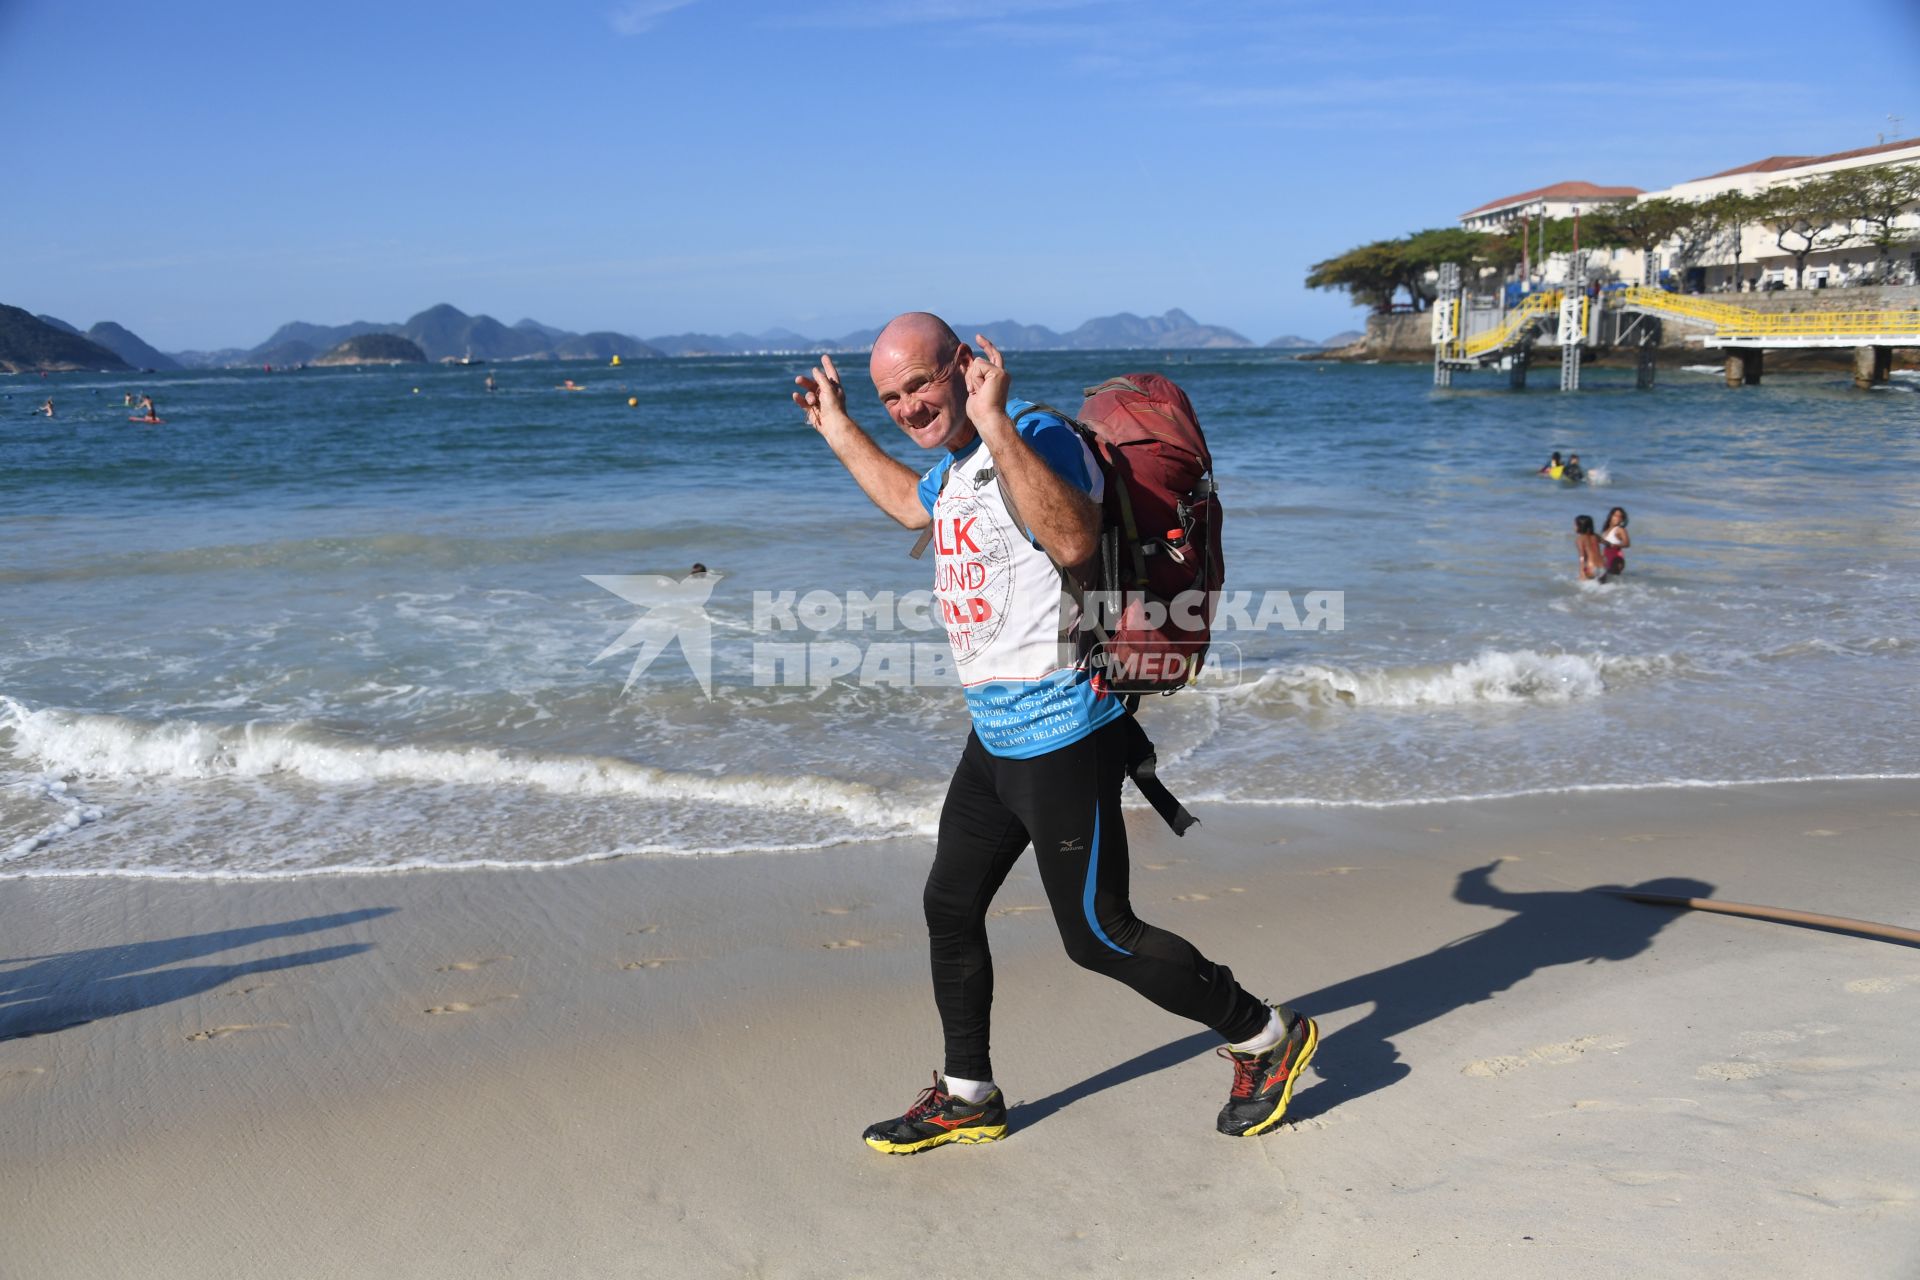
(1614, 542)
(1593, 562)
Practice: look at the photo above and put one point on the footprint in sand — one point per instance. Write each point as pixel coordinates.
(215, 1033)
(1335, 871)
(247, 991)
(1549, 1054)
(1193, 897)
(1734, 1070)
(645, 928)
(1879, 986)
(1015, 911)
(846, 910)
(468, 1006)
(844, 944)
(1855, 1197)
(1659, 1105)
(20, 1075)
(468, 966)
(657, 962)
(1819, 831)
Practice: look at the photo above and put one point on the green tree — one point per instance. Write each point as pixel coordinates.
(1374, 273)
(1643, 225)
(1369, 274)
(1730, 212)
(1477, 252)
(1701, 225)
(1804, 218)
(1877, 197)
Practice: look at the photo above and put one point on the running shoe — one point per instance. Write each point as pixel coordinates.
(937, 1117)
(1263, 1082)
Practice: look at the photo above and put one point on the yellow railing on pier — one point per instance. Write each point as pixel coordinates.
(1732, 322)
(1692, 306)
(1536, 306)
(1813, 324)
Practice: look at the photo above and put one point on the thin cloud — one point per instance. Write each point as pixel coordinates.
(906, 13)
(636, 16)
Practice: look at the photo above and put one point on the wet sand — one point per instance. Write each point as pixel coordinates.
(662, 1066)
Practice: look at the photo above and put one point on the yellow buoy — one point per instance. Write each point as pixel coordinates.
(616, 362)
(632, 401)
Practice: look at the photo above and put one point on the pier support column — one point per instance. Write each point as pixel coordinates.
(1871, 366)
(1744, 366)
(1649, 345)
(1517, 366)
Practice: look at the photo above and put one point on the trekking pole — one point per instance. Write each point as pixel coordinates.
(1891, 932)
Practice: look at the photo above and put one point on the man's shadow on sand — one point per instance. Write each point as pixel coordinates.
(52, 993)
(1548, 927)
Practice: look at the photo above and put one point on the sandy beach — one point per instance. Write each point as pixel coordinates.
(661, 1066)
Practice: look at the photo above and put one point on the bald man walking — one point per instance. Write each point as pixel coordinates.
(1046, 758)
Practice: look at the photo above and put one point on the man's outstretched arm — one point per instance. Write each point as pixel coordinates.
(893, 486)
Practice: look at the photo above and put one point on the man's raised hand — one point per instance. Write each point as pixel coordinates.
(821, 396)
(987, 384)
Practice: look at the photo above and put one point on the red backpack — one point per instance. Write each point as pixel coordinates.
(1149, 598)
(1160, 568)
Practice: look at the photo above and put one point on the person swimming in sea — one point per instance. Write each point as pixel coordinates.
(46, 408)
(147, 409)
(1593, 562)
(1614, 542)
(1552, 467)
(1573, 472)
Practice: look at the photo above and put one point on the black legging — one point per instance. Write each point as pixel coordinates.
(1067, 804)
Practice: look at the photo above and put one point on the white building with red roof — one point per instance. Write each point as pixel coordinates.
(1752, 258)
(1556, 201)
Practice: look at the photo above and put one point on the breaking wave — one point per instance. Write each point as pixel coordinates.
(67, 744)
(1492, 676)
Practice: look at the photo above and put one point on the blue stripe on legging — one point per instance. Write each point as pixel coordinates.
(1093, 872)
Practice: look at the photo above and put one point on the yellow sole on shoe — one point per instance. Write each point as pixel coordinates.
(984, 1133)
(1286, 1094)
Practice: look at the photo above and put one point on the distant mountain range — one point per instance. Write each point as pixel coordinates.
(28, 343)
(1293, 342)
(445, 333)
(122, 342)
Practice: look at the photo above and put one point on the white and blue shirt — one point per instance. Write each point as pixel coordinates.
(1013, 629)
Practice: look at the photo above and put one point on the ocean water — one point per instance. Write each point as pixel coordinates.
(341, 621)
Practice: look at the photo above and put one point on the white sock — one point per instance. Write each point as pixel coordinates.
(1275, 1031)
(969, 1090)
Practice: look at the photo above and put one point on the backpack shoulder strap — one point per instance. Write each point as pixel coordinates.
(926, 534)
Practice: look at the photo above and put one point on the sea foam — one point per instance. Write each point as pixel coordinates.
(68, 743)
(1491, 676)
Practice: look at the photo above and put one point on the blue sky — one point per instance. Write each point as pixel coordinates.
(202, 173)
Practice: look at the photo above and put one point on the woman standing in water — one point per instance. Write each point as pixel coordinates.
(1614, 542)
(1593, 562)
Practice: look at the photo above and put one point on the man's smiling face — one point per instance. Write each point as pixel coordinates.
(923, 388)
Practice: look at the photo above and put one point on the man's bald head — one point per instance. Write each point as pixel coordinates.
(919, 372)
(916, 335)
